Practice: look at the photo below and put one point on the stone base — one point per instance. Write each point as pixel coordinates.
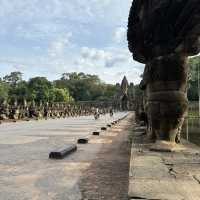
(164, 146)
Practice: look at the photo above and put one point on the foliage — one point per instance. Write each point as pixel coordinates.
(60, 95)
(4, 89)
(13, 78)
(19, 92)
(40, 88)
(85, 87)
(193, 114)
(70, 87)
(194, 72)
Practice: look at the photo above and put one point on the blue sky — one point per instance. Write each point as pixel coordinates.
(51, 37)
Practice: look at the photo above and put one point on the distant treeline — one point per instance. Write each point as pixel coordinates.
(70, 87)
(193, 78)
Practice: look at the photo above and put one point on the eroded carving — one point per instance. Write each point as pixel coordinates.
(162, 34)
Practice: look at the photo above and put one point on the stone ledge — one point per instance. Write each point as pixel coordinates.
(164, 175)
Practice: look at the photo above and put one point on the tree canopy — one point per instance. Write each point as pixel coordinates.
(85, 87)
(70, 87)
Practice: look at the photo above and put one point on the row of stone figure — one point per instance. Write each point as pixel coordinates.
(53, 111)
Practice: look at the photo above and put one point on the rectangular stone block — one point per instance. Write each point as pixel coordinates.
(63, 152)
(82, 140)
(96, 133)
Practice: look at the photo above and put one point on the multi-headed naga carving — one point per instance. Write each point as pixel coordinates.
(162, 34)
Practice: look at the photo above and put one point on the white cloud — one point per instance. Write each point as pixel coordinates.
(56, 36)
(120, 34)
(95, 54)
(58, 46)
(109, 63)
(111, 57)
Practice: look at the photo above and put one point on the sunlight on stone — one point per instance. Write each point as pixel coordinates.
(69, 140)
(77, 165)
(117, 129)
(26, 179)
(19, 139)
(9, 168)
(112, 134)
(100, 141)
(26, 184)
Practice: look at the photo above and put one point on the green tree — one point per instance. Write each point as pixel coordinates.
(20, 92)
(40, 89)
(194, 70)
(77, 86)
(13, 78)
(60, 95)
(4, 89)
(85, 87)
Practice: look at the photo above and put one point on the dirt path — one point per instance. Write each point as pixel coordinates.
(107, 178)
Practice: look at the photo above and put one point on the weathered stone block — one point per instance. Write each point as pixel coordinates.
(63, 152)
(82, 140)
(96, 133)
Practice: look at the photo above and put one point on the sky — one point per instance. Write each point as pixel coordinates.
(51, 37)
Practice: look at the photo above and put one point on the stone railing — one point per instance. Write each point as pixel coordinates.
(54, 110)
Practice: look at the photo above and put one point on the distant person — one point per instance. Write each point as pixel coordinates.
(111, 112)
(96, 114)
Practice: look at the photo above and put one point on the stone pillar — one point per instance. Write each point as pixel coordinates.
(166, 95)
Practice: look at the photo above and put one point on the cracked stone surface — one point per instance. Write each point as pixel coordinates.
(164, 175)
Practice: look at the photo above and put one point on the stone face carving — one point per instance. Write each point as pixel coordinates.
(124, 86)
(124, 90)
(125, 95)
(162, 34)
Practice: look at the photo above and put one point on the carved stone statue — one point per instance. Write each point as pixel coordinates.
(162, 34)
(31, 110)
(124, 90)
(15, 111)
(4, 110)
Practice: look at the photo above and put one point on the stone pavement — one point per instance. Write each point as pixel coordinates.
(25, 170)
(107, 176)
(163, 175)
